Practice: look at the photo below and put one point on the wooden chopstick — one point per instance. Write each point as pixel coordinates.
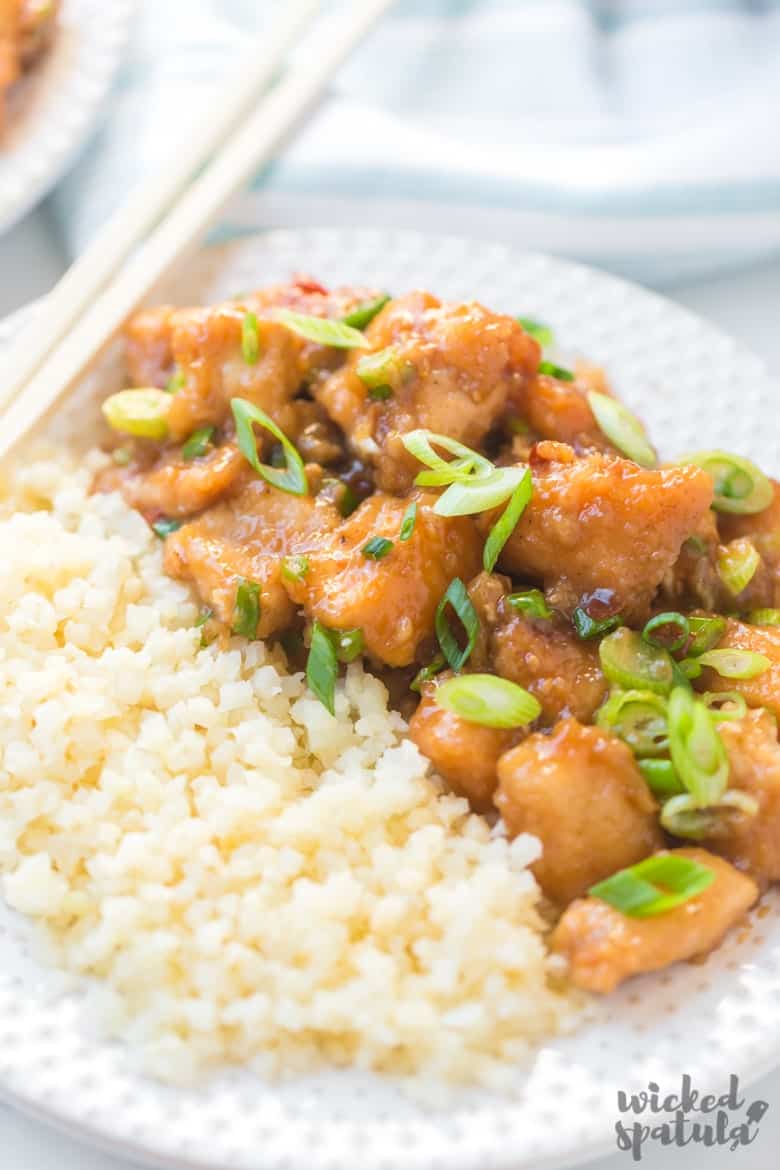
(151, 200)
(252, 145)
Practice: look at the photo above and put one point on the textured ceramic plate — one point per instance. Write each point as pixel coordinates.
(695, 387)
(57, 103)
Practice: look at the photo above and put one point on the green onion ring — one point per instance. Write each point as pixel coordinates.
(740, 487)
(696, 748)
(488, 700)
(457, 597)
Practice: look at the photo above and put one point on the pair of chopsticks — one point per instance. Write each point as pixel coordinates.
(169, 215)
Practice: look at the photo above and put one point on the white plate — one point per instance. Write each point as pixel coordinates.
(57, 103)
(696, 388)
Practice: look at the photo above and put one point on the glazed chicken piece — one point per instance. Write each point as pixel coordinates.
(604, 947)
(159, 481)
(605, 527)
(763, 530)
(149, 333)
(148, 346)
(577, 789)
(694, 580)
(245, 539)
(752, 843)
(560, 411)
(464, 754)
(453, 370)
(207, 350)
(545, 656)
(763, 690)
(174, 487)
(392, 600)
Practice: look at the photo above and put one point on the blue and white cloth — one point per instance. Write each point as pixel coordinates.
(643, 135)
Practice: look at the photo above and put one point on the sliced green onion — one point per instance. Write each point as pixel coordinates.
(247, 611)
(695, 546)
(205, 616)
(690, 667)
(488, 700)
(348, 500)
(480, 493)
(379, 371)
(122, 456)
(165, 526)
(740, 486)
(295, 568)
(409, 521)
(530, 602)
(654, 886)
(696, 748)
(250, 339)
(682, 816)
(588, 627)
(349, 644)
(176, 382)
(764, 617)
(639, 719)
(541, 333)
(376, 548)
(733, 663)
(670, 631)
(553, 371)
(143, 413)
(457, 597)
(197, 444)
(322, 330)
(725, 704)
(706, 632)
(434, 667)
(630, 662)
(291, 478)
(622, 428)
(380, 393)
(442, 471)
(517, 425)
(662, 780)
(737, 565)
(505, 525)
(322, 667)
(364, 313)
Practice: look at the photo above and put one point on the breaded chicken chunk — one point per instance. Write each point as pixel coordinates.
(604, 947)
(392, 599)
(579, 790)
(245, 539)
(763, 690)
(545, 656)
(149, 333)
(452, 369)
(753, 842)
(601, 525)
(464, 754)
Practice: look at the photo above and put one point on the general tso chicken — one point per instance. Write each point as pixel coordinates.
(26, 30)
(584, 638)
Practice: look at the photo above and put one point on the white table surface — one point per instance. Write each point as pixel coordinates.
(747, 306)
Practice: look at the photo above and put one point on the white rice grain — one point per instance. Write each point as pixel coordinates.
(251, 879)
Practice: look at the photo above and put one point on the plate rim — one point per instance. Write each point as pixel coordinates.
(124, 1146)
(62, 150)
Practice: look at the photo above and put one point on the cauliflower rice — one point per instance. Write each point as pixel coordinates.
(254, 881)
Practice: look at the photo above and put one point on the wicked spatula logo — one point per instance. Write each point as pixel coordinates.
(686, 1117)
